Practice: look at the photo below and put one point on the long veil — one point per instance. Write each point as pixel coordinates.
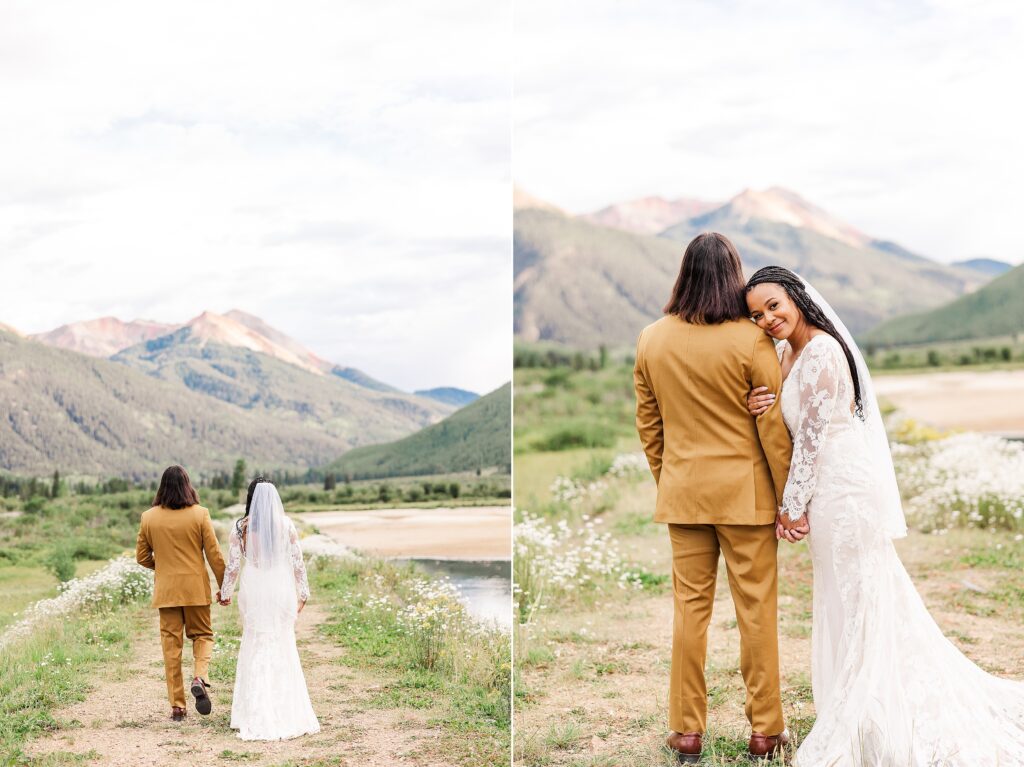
(267, 541)
(890, 503)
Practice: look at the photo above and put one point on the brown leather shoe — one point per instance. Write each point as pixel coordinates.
(686, 745)
(177, 713)
(767, 746)
(203, 703)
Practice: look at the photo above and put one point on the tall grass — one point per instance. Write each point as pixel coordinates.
(46, 662)
(390, 617)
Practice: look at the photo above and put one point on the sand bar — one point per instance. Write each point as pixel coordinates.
(975, 401)
(469, 532)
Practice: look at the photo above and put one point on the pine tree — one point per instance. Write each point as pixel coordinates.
(238, 478)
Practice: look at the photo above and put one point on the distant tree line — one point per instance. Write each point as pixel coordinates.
(938, 357)
(28, 488)
(531, 357)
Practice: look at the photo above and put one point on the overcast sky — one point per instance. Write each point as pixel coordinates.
(340, 170)
(903, 118)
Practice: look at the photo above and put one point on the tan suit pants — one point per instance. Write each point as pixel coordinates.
(195, 621)
(750, 559)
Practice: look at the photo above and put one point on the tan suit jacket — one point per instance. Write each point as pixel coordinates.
(714, 463)
(172, 542)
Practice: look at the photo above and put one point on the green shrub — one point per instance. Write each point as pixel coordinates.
(574, 435)
(61, 562)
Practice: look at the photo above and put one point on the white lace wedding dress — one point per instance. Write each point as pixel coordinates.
(889, 689)
(271, 701)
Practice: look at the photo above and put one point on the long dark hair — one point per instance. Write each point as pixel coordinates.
(709, 288)
(248, 503)
(813, 313)
(175, 491)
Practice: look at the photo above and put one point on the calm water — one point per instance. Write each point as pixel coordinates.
(486, 585)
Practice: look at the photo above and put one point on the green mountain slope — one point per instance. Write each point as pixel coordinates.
(997, 309)
(253, 381)
(78, 414)
(477, 436)
(579, 283)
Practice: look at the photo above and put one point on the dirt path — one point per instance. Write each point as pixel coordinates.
(125, 720)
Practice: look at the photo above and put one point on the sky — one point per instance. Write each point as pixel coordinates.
(340, 170)
(902, 118)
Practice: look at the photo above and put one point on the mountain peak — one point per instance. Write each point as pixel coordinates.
(649, 215)
(522, 200)
(787, 207)
(102, 336)
(250, 332)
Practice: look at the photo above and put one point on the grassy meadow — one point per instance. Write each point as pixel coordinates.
(592, 575)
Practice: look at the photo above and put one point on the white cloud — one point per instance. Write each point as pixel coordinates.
(340, 170)
(900, 117)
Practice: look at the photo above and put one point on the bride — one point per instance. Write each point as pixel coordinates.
(270, 700)
(889, 689)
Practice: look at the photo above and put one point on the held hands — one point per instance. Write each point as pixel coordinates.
(759, 400)
(791, 530)
(223, 602)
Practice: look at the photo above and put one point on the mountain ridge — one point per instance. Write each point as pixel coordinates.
(87, 415)
(449, 395)
(649, 215)
(107, 336)
(102, 336)
(581, 283)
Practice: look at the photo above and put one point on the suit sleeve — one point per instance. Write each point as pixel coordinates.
(143, 549)
(212, 549)
(648, 415)
(771, 429)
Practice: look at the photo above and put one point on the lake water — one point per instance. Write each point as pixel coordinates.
(486, 585)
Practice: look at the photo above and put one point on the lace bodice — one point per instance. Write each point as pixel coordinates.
(817, 399)
(235, 556)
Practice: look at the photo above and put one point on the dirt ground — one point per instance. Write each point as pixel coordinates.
(125, 720)
(482, 532)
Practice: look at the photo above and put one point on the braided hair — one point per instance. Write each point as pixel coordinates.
(812, 313)
(248, 503)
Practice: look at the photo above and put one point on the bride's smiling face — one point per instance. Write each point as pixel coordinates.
(773, 310)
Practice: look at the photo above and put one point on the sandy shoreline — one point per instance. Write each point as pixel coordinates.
(975, 401)
(470, 532)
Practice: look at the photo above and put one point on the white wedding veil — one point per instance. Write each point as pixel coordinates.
(267, 533)
(890, 503)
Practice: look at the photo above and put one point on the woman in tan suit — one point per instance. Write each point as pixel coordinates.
(720, 476)
(174, 536)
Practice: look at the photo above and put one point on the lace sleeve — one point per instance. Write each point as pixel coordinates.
(298, 566)
(818, 377)
(233, 566)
